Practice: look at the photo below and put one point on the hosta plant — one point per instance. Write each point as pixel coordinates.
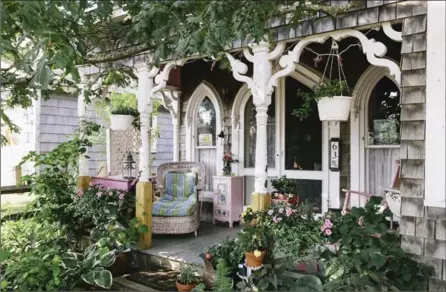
(91, 265)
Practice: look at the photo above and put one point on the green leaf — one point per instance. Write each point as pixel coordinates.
(88, 278)
(309, 283)
(69, 263)
(103, 279)
(4, 255)
(108, 259)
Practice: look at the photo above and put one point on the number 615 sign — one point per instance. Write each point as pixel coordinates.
(334, 154)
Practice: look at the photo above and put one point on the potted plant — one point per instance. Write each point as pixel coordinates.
(333, 101)
(187, 280)
(286, 191)
(254, 241)
(122, 117)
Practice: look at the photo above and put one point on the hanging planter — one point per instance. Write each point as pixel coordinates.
(121, 118)
(332, 104)
(331, 94)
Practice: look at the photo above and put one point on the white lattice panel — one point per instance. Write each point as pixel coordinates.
(119, 143)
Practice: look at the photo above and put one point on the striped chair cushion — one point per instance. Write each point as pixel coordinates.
(166, 207)
(179, 184)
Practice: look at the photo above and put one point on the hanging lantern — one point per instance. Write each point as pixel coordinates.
(128, 166)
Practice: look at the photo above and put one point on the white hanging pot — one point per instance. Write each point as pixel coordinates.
(336, 108)
(121, 122)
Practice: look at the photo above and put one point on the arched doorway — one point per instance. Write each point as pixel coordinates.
(204, 121)
(375, 132)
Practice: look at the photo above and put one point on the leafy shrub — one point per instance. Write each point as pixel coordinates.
(125, 111)
(369, 255)
(229, 250)
(187, 275)
(222, 282)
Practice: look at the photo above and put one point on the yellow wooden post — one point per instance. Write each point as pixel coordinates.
(18, 175)
(260, 202)
(83, 181)
(144, 211)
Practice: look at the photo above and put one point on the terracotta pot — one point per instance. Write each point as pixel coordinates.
(209, 274)
(185, 287)
(252, 260)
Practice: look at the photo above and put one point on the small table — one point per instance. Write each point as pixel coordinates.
(205, 196)
(115, 182)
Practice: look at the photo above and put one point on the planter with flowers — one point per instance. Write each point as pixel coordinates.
(286, 191)
(122, 117)
(254, 241)
(187, 279)
(228, 159)
(333, 101)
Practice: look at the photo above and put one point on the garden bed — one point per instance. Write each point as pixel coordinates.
(156, 277)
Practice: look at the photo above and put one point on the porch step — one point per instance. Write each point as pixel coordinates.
(123, 284)
(144, 259)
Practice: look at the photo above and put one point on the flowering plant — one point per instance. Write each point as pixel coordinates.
(99, 205)
(227, 158)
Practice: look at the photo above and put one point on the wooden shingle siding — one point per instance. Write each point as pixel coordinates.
(423, 228)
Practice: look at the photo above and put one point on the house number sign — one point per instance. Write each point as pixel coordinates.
(334, 154)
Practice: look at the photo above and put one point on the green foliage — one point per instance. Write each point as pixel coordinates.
(369, 254)
(27, 234)
(325, 89)
(45, 41)
(201, 287)
(285, 185)
(90, 266)
(253, 238)
(229, 250)
(187, 275)
(127, 100)
(222, 282)
(54, 185)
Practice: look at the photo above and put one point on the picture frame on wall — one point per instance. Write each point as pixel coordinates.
(334, 153)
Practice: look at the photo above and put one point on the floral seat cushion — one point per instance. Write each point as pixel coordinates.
(179, 198)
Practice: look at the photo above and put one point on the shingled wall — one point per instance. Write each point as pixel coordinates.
(423, 228)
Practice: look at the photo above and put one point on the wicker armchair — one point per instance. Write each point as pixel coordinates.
(177, 211)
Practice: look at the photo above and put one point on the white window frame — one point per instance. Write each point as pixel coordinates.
(435, 158)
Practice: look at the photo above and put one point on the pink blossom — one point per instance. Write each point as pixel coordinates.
(79, 193)
(281, 210)
(328, 232)
(270, 212)
(91, 183)
(110, 193)
(328, 223)
(323, 228)
(99, 194)
(288, 211)
(277, 219)
(121, 196)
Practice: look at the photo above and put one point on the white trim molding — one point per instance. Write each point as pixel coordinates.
(205, 89)
(435, 171)
(373, 50)
(361, 95)
(397, 36)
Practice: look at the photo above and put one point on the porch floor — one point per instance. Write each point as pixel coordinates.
(185, 248)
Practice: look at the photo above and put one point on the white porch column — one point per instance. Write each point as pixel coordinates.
(261, 88)
(333, 176)
(83, 171)
(145, 85)
(82, 114)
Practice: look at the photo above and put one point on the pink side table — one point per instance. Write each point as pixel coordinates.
(115, 182)
(228, 198)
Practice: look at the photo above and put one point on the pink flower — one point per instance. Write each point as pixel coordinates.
(121, 196)
(91, 183)
(99, 194)
(79, 193)
(323, 228)
(288, 211)
(281, 210)
(328, 232)
(110, 193)
(270, 212)
(277, 219)
(328, 223)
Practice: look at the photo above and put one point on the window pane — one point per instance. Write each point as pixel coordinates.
(384, 114)
(303, 139)
(250, 128)
(311, 191)
(206, 127)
